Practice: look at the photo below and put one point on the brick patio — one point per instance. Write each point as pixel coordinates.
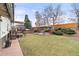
(13, 50)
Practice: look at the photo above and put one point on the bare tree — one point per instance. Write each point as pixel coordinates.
(47, 13)
(38, 18)
(53, 12)
(50, 12)
(76, 12)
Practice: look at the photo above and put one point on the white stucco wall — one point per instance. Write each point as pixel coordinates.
(5, 26)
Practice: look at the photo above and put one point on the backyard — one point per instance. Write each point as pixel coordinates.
(48, 45)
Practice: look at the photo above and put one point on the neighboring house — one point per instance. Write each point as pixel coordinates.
(6, 22)
(19, 25)
(19, 28)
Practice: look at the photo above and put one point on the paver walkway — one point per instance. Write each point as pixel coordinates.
(13, 50)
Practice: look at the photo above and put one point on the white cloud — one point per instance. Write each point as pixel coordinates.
(20, 12)
(34, 10)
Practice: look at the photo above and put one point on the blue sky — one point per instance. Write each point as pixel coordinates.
(29, 8)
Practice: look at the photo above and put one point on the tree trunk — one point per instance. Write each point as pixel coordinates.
(78, 24)
(53, 24)
(47, 22)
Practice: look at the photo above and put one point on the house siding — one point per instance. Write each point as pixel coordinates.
(6, 16)
(0, 33)
(5, 26)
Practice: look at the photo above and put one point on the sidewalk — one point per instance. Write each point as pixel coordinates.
(13, 50)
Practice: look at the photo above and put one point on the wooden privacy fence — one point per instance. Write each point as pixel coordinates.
(69, 25)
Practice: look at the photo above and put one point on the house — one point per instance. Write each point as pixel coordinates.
(16, 23)
(19, 28)
(6, 22)
(19, 25)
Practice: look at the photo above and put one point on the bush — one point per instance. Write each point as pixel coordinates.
(57, 29)
(47, 30)
(68, 31)
(64, 30)
(35, 30)
(58, 32)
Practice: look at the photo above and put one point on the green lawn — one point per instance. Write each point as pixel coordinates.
(38, 45)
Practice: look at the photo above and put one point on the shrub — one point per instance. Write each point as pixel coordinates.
(47, 30)
(35, 30)
(58, 32)
(63, 30)
(68, 31)
(58, 29)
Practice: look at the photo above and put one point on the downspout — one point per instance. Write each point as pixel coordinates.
(78, 24)
(0, 33)
(0, 27)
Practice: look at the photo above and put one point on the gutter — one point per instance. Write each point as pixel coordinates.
(10, 11)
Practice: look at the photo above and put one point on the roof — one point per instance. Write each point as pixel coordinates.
(19, 22)
(3, 10)
(10, 9)
(7, 9)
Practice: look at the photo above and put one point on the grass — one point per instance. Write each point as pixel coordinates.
(51, 45)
